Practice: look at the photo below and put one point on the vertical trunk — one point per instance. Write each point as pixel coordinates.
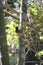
(23, 19)
(3, 42)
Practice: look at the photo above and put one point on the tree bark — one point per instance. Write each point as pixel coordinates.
(23, 19)
(3, 42)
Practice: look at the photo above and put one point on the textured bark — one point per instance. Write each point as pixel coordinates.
(3, 42)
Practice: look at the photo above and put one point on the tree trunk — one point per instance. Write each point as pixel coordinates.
(3, 42)
(23, 19)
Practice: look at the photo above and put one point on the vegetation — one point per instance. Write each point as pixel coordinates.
(30, 33)
(12, 36)
(36, 26)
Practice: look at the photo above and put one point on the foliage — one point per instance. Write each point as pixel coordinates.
(40, 53)
(12, 36)
(34, 29)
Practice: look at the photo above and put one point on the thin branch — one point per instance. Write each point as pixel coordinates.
(11, 16)
(10, 9)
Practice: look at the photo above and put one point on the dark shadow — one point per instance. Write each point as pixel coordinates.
(31, 57)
